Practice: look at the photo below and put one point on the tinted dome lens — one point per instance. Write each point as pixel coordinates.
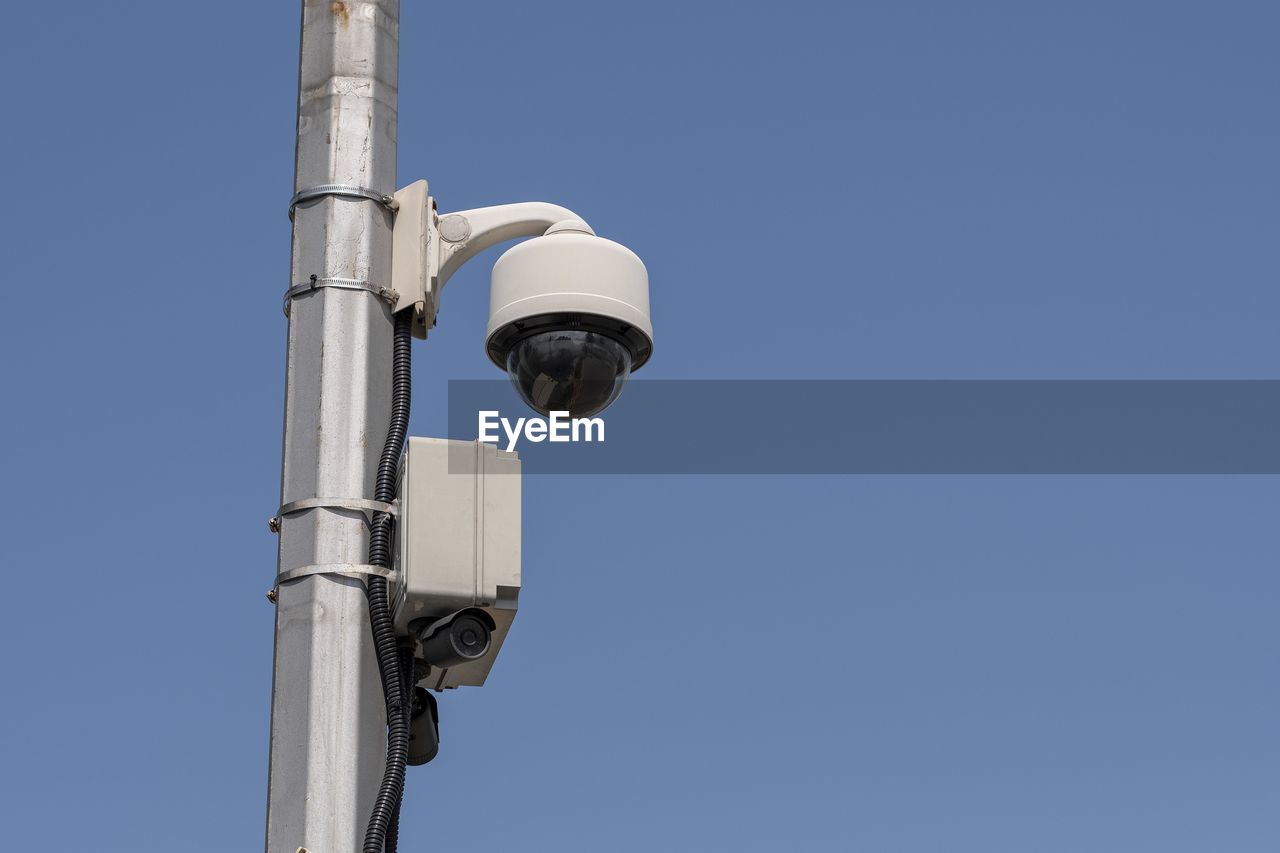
(573, 371)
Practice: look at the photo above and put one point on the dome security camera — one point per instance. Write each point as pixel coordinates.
(568, 310)
(569, 319)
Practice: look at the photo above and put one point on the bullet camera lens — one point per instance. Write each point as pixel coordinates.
(470, 636)
(573, 370)
(464, 639)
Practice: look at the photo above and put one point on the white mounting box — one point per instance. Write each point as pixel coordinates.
(457, 542)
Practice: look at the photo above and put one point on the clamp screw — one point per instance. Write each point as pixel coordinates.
(273, 524)
(272, 595)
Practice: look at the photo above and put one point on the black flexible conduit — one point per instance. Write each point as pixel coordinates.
(406, 681)
(382, 834)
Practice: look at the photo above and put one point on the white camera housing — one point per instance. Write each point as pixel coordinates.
(457, 544)
(569, 272)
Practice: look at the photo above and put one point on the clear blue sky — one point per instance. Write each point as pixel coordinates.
(820, 190)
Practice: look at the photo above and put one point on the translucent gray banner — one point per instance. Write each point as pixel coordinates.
(907, 427)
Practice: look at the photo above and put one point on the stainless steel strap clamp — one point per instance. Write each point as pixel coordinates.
(360, 571)
(342, 284)
(343, 191)
(360, 504)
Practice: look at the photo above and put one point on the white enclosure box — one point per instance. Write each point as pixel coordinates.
(457, 543)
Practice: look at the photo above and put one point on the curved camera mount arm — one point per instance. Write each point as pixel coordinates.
(467, 233)
(426, 249)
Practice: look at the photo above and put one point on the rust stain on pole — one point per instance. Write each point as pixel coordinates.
(340, 11)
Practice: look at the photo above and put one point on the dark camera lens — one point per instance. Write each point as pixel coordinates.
(464, 639)
(470, 636)
(574, 371)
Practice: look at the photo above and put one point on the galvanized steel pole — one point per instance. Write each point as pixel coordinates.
(328, 736)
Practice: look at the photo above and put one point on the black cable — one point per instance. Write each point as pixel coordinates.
(406, 682)
(396, 683)
(393, 828)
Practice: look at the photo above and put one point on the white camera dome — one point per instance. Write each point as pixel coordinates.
(569, 318)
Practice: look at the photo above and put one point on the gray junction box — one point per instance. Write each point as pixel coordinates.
(457, 543)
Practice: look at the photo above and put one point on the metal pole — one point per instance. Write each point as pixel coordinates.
(327, 715)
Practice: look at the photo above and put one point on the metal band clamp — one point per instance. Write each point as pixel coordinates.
(343, 191)
(342, 284)
(359, 504)
(355, 570)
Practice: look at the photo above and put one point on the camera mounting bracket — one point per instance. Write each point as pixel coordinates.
(427, 249)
